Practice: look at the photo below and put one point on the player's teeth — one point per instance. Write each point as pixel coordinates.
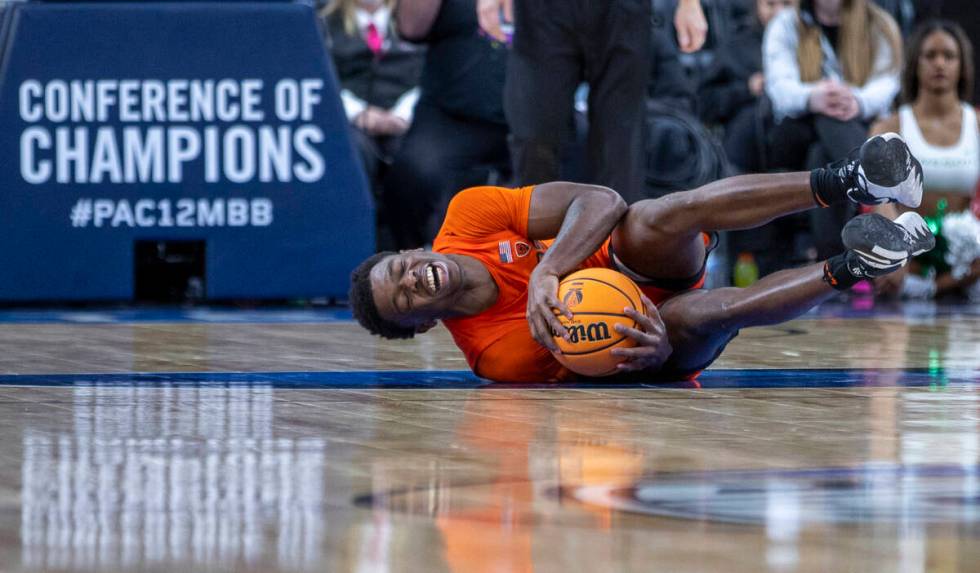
(430, 278)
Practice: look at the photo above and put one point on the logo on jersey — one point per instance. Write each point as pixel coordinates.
(522, 248)
(506, 255)
(540, 248)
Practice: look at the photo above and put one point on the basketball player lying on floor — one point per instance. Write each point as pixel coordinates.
(493, 274)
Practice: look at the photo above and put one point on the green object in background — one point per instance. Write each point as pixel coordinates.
(746, 272)
(934, 261)
(935, 221)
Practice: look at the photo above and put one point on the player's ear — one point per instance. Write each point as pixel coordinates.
(426, 326)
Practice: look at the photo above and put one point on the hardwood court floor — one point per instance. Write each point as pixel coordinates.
(290, 441)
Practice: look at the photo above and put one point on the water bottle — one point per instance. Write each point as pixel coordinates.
(746, 272)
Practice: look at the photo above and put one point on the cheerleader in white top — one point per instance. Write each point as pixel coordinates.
(942, 131)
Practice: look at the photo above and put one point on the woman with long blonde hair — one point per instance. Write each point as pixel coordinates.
(831, 67)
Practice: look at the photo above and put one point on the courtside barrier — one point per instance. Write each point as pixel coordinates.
(217, 123)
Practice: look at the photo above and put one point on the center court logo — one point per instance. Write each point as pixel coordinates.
(875, 494)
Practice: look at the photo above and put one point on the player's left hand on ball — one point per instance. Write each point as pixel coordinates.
(652, 347)
(542, 298)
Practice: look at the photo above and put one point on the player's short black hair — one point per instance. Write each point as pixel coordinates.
(362, 302)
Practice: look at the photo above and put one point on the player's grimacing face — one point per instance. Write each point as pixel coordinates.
(413, 287)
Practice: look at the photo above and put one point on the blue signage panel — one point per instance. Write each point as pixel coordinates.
(215, 122)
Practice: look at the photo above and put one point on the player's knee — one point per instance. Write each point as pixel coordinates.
(669, 215)
(686, 332)
(710, 316)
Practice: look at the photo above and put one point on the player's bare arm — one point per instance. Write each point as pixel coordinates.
(579, 217)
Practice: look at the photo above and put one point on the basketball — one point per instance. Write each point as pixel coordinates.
(596, 297)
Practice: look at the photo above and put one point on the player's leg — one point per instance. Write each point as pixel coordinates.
(660, 238)
(701, 322)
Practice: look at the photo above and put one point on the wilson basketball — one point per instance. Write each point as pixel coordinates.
(596, 297)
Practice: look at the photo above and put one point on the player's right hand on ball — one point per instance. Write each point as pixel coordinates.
(542, 302)
(652, 347)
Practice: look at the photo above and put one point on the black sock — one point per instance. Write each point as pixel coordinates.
(827, 186)
(837, 274)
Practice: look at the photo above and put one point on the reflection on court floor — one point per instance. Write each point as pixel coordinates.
(849, 440)
(790, 499)
(170, 475)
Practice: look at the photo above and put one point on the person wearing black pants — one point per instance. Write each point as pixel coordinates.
(732, 90)
(558, 44)
(552, 54)
(435, 156)
(458, 131)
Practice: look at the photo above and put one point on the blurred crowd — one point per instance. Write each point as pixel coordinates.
(657, 96)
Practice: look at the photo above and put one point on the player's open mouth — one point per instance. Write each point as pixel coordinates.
(435, 277)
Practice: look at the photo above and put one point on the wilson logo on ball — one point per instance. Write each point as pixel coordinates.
(595, 332)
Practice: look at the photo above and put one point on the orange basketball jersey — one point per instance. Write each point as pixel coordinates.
(490, 225)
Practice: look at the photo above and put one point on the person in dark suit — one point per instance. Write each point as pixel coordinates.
(558, 44)
(379, 75)
(459, 135)
(733, 89)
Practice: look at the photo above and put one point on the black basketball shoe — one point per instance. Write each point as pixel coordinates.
(878, 245)
(882, 170)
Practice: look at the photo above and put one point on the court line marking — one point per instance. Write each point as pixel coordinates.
(719, 379)
(276, 315)
(202, 315)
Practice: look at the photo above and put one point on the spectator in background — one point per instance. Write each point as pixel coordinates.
(668, 81)
(459, 126)
(556, 45)
(731, 93)
(831, 67)
(679, 153)
(942, 131)
(379, 76)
